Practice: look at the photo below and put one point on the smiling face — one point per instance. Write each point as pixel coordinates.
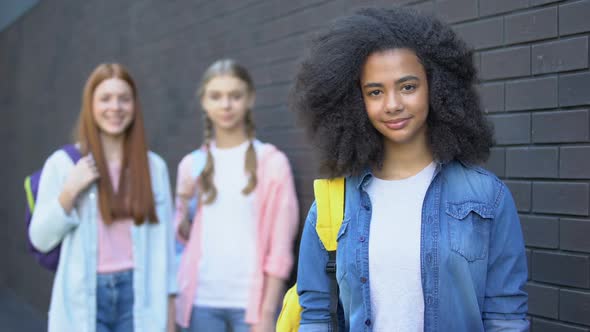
(226, 100)
(113, 106)
(395, 93)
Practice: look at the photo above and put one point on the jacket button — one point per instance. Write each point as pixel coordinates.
(368, 322)
(362, 239)
(363, 280)
(429, 220)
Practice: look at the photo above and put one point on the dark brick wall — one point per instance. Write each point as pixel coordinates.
(532, 57)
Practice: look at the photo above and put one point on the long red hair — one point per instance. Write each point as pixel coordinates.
(134, 197)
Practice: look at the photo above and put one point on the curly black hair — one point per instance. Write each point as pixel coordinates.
(328, 100)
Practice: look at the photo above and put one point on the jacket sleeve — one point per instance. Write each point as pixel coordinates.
(313, 284)
(283, 211)
(167, 219)
(49, 222)
(505, 303)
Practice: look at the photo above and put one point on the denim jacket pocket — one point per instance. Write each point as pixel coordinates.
(469, 226)
(343, 229)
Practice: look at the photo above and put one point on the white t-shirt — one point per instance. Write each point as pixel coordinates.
(394, 252)
(228, 235)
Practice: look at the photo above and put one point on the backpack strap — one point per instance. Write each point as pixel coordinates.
(329, 196)
(72, 152)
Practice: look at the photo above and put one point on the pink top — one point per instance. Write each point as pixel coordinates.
(115, 251)
(277, 215)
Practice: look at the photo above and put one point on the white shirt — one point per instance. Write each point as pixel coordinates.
(228, 235)
(394, 252)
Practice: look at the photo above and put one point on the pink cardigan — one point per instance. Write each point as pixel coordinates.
(277, 214)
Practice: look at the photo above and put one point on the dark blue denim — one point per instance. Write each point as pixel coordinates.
(114, 297)
(205, 319)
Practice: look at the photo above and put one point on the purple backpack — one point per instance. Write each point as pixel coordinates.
(49, 259)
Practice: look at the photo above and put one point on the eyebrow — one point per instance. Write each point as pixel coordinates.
(399, 81)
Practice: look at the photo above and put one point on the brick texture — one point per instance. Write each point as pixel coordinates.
(573, 17)
(531, 25)
(561, 269)
(561, 197)
(561, 126)
(544, 300)
(484, 33)
(540, 231)
(531, 94)
(529, 162)
(562, 55)
(573, 234)
(491, 7)
(574, 162)
(543, 325)
(574, 89)
(492, 97)
(506, 63)
(574, 306)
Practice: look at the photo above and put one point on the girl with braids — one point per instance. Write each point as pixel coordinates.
(430, 241)
(239, 249)
(112, 213)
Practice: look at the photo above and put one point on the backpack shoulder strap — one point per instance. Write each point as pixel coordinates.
(329, 197)
(72, 152)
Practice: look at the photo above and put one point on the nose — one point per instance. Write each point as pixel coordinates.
(226, 103)
(394, 103)
(115, 104)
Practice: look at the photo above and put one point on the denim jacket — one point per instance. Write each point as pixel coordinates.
(472, 257)
(73, 297)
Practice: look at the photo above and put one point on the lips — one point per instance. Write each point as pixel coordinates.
(228, 117)
(397, 123)
(116, 121)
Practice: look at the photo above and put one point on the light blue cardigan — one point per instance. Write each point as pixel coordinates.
(73, 298)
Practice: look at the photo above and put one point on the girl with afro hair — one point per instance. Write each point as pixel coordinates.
(430, 241)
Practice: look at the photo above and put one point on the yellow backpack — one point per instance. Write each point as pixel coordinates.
(329, 197)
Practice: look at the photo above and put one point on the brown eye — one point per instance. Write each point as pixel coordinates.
(408, 88)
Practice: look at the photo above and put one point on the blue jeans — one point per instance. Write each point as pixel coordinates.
(207, 319)
(114, 302)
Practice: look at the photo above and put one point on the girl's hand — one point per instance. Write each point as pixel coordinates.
(171, 325)
(267, 323)
(184, 229)
(81, 176)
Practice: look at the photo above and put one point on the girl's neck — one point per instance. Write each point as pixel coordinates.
(226, 139)
(112, 148)
(404, 160)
